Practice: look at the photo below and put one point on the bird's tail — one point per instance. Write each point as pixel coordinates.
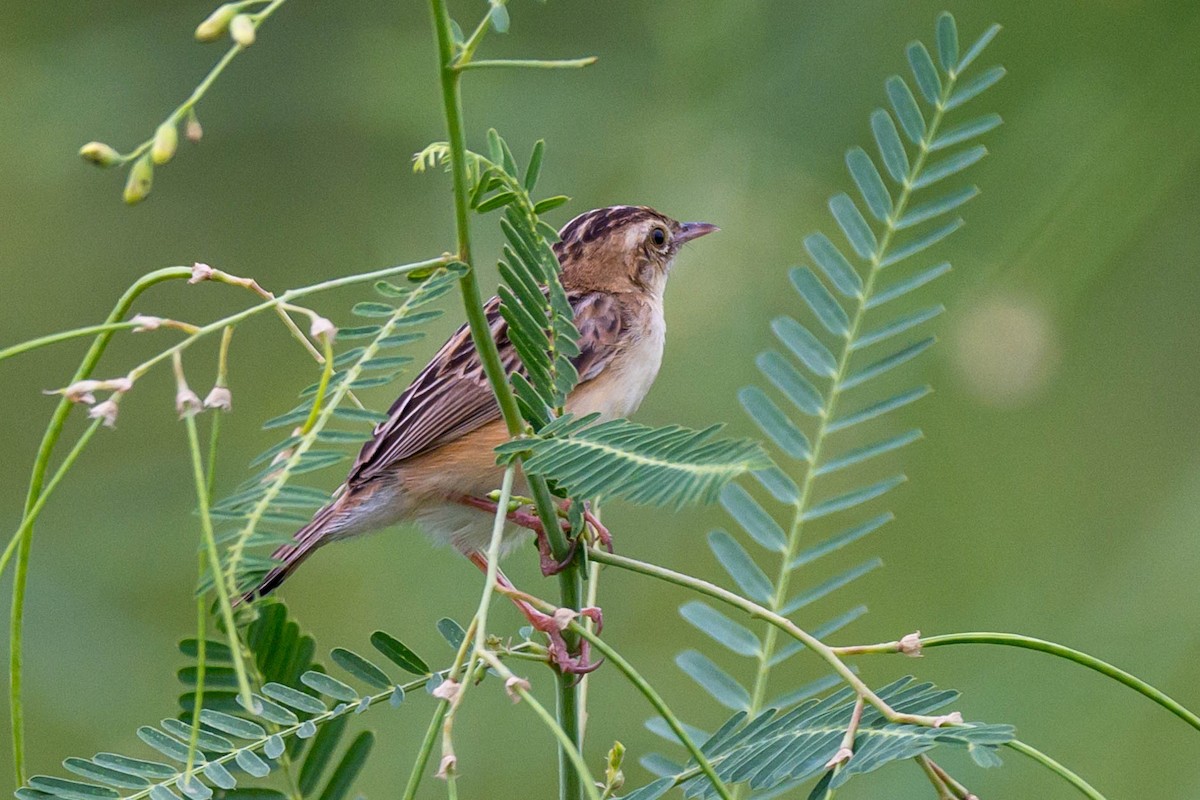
(292, 555)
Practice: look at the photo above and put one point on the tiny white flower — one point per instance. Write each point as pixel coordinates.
(446, 766)
(106, 411)
(200, 272)
(911, 645)
(843, 755)
(564, 616)
(953, 718)
(447, 690)
(513, 684)
(146, 322)
(187, 402)
(219, 398)
(79, 392)
(322, 328)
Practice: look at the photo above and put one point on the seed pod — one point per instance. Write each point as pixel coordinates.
(141, 177)
(166, 139)
(241, 28)
(99, 154)
(216, 23)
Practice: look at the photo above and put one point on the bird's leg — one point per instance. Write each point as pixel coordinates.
(550, 624)
(527, 518)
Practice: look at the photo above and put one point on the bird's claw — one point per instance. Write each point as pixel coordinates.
(561, 657)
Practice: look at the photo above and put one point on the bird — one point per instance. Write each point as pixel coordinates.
(431, 461)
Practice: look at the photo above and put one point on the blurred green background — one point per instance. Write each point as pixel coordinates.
(1057, 492)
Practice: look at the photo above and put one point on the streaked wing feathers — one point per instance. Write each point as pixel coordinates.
(451, 397)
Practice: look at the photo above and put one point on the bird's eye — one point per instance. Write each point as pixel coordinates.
(658, 236)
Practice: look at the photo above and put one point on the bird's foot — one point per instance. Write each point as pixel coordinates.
(527, 517)
(561, 657)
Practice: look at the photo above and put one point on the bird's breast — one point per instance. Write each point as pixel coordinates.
(620, 388)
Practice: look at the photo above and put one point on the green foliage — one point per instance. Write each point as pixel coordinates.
(293, 734)
(824, 363)
(776, 749)
(269, 495)
(669, 466)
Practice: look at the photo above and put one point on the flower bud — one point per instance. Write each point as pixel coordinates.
(910, 645)
(220, 398)
(106, 411)
(216, 23)
(166, 139)
(241, 29)
(145, 323)
(99, 154)
(187, 402)
(447, 689)
(513, 684)
(141, 177)
(200, 272)
(192, 128)
(322, 328)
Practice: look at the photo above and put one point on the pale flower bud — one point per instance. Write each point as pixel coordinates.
(843, 755)
(99, 154)
(447, 690)
(910, 645)
(146, 323)
(322, 328)
(216, 23)
(141, 177)
(192, 129)
(200, 272)
(241, 29)
(79, 392)
(187, 403)
(446, 766)
(106, 411)
(219, 398)
(513, 684)
(166, 139)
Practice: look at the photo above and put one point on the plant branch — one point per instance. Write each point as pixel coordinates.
(1085, 788)
(824, 651)
(569, 580)
(1040, 645)
(529, 63)
(660, 705)
(214, 562)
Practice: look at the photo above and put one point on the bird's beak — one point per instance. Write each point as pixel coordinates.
(694, 230)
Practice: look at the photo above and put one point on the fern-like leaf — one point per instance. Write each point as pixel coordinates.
(826, 375)
(670, 466)
(291, 725)
(773, 748)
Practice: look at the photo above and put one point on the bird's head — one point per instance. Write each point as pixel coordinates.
(622, 249)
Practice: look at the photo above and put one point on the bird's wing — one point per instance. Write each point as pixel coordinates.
(451, 396)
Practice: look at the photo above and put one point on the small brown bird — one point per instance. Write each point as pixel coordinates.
(432, 461)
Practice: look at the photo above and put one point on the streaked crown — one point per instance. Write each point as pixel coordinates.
(622, 248)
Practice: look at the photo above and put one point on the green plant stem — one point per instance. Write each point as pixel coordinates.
(660, 705)
(202, 88)
(27, 523)
(566, 743)
(214, 562)
(529, 63)
(939, 785)
(33, 508)
(1070, 654)
(54, 431)
(439, 714)
(570, 584)
(64, 336)
(824, 651)
(1085, 788)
